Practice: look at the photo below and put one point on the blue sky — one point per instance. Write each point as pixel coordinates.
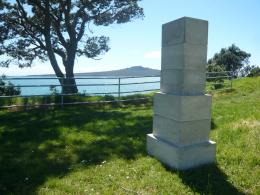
(139, 42)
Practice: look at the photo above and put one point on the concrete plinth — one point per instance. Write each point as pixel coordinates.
(181, 157)
(182, 112)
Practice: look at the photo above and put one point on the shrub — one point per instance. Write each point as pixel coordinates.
(7, 88)
(254, 72)
(215, 70)
(218, 85)
(109, 98)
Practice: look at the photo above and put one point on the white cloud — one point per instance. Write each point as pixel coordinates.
(152, 54)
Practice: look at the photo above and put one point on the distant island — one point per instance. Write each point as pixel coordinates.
(132, 71)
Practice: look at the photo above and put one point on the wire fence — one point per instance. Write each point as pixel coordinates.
(114, 87)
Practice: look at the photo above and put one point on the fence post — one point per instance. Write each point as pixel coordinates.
(119, 88)
(62, 100)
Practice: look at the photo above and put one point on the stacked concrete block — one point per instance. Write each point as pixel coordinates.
(182, 112)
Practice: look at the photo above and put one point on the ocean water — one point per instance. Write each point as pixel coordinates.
(129, 85)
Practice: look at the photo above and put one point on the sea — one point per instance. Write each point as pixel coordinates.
(98, 85)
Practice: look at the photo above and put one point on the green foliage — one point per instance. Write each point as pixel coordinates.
(7, 88)
(250, 71)
(109, 98)
(43, 30)
(231, 59)
(246, 70)
(25, 34)
(213, 67)
(215, 70)
(254, 72)
(218, 85)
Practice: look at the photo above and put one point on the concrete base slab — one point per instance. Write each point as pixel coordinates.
(181, 157)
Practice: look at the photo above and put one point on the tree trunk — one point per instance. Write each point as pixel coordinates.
(69, 83)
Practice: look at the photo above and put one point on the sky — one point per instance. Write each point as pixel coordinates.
(138, 43)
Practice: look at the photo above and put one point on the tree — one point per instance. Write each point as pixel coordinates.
(47, 29)
(254, 72)
(212, 67)
(246, 70)
(231, 58)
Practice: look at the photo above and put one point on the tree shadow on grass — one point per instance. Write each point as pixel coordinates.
(207, 179)
(35, 146)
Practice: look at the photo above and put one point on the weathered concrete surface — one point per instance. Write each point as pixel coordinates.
(185, 30)
(181, 157)
(182, 113)
(184, 56)
(182, 108)
(181, 132)
(183, 82)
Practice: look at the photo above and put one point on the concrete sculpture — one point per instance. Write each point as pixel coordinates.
(182, 112)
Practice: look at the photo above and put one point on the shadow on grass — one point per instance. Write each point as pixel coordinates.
(42, 143)
(208, 179)
(212, 124)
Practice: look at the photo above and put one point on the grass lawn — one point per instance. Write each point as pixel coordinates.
(102, 149)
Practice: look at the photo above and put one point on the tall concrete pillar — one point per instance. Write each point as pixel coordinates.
(182, 112)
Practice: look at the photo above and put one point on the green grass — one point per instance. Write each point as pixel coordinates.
(55, 98)
(101, 149)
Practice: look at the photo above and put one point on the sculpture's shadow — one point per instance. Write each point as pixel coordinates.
(207, 179)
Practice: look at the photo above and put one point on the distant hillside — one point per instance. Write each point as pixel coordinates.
(132, 71)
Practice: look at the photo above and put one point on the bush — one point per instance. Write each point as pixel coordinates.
(7, 88)
(109, 98)
(254, 72)
(250, 71)
(218, 85)
(215, 70)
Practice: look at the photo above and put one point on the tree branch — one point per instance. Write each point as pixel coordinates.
(49, 46)
(24, 16)
(70, 29)
(82, 29)
(85, 20)
(59, 34)
(77, 15)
